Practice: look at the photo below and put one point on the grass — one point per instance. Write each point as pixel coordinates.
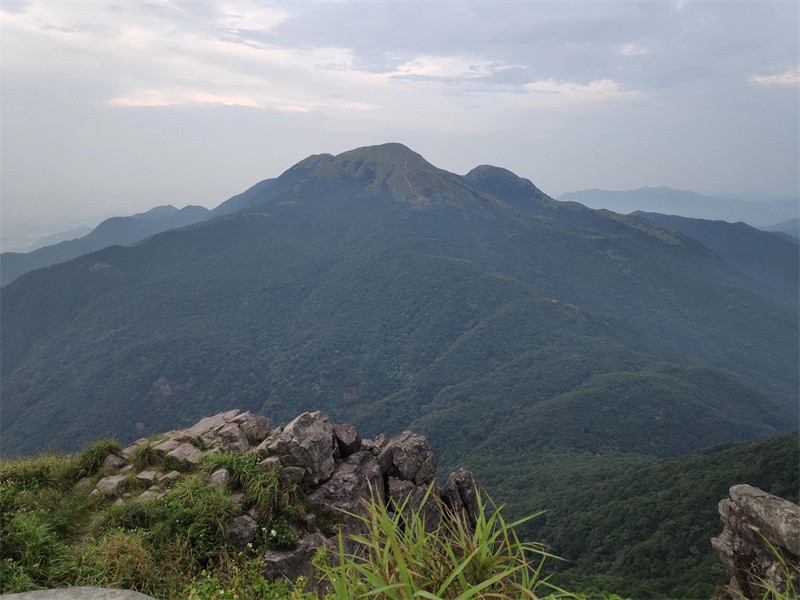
(176, 546)
(403, 555)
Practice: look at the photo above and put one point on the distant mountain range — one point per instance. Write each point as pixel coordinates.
(763, 214)
(515, 330)
(122, 231)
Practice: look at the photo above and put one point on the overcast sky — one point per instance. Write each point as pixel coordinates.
(116, 107)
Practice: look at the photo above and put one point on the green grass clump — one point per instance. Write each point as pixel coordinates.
(401, 556)
(262, 487)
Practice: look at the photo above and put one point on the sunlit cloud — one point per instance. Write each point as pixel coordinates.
(787, 78)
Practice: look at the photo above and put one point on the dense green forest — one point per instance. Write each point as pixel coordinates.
(636, 526)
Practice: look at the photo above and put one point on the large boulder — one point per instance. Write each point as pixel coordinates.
(307, 442)
(409, 456)
(357, 478)
(233, 439)
(757, 527)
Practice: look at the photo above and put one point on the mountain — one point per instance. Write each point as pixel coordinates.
(382, 289)
(790, 227)
(55, 238)
(688, 204)
(531, 340)
(768, 260)
(114, 231)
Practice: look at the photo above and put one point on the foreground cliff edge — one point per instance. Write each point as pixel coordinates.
(231, 506)
(231, 503)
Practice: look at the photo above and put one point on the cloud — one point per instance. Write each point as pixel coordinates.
(631, 50)
(790, 77)
(158, 98)
(599, 89)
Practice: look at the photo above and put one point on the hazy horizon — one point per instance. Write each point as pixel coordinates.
(112, 109)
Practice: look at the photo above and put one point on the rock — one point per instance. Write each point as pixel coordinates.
(112, 461)
(127, 452)
(307, 442)
(460, 494)
(242, 531)
(167, 446)
(232, 439)
(292, 564)
(256, 429)
(147, 476)
(210, 425)
(220, 478)
(359, 476)
(294, 474)
(347, 439)
(754, 520)
(409, 456)
(78, 593)
(169, 477)
(186, 452)
(242, 418)
(271, 462)
(150, 495)
(113, 485)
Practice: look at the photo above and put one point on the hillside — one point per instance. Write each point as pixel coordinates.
(767, 260)
(379, 283)
(122, 231)
(636, 526)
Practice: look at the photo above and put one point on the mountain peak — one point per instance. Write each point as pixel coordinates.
(391, 154)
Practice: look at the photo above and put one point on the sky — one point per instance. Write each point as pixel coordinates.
(111, 108)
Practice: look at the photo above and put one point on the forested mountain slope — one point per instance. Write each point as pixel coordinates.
(116, 230)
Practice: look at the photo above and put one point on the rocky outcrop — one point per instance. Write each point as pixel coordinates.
(336, 468)
(759, 543)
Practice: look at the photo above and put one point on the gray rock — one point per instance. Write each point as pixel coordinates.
(242, 531)
(754, 520)
(167, 446)
(112, 461)
(271, 462)
(78, 593)
(210, 425)
(292, 564)
(148, 476)
(256, 429)
(128, 450)
(347, 439)
(263, 448)
(242, 417)
(150, 495)
(357, 478)
(409, 456)
(307, 442)
(232, 439)
(460, 494)
(186, 452)
(294, 474)
(220, 478)
(113, 485)
(169, 477)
